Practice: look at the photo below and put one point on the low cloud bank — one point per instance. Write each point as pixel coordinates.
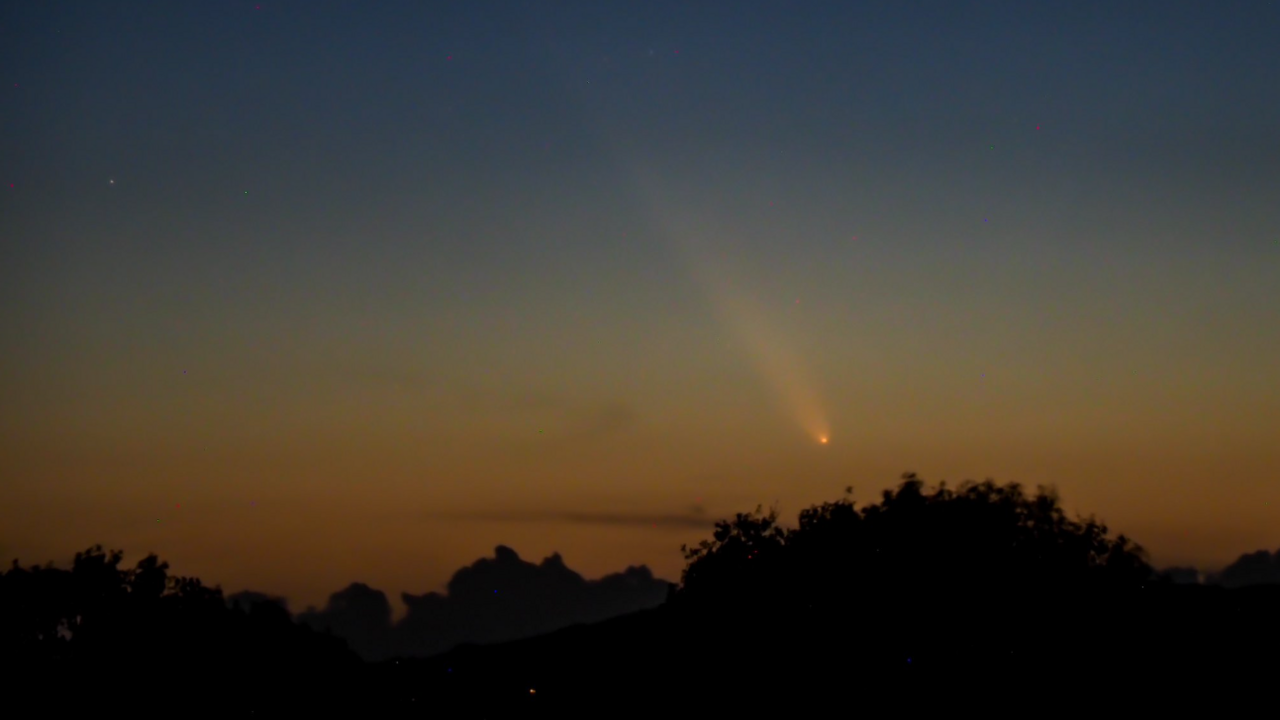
(492, 600)
(1255, 568)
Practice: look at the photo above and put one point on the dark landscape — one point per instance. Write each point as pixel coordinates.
(563, 359)
(981, 597)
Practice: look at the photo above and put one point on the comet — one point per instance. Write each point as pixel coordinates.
(709, 253)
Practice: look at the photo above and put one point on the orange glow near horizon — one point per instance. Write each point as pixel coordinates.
(325, 334)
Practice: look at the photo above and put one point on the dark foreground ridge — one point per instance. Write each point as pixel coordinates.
(1154, 651)
(979, 598)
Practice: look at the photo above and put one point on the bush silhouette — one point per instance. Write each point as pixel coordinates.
(971, 579)
(99, 628)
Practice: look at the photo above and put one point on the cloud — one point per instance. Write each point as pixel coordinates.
(695, 518)
(360, 615)
(617, 519)
(536, 400)
(1183, 575)
(1256, 568)
(607, 419)
(248, 599)
(576, 421)
(492, 600)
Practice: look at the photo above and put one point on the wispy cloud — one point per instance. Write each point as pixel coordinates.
(567, 420)
(694, 518)
(606, 419)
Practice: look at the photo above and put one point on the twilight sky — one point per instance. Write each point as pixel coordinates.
(300, 293)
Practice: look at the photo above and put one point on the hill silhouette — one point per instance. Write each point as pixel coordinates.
(979, 597)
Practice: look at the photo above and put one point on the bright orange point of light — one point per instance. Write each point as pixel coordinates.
(823, 439)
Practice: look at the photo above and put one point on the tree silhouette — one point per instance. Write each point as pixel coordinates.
(100, 628)
(980, 576)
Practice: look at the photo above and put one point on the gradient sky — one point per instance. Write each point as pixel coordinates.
(302, 293)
